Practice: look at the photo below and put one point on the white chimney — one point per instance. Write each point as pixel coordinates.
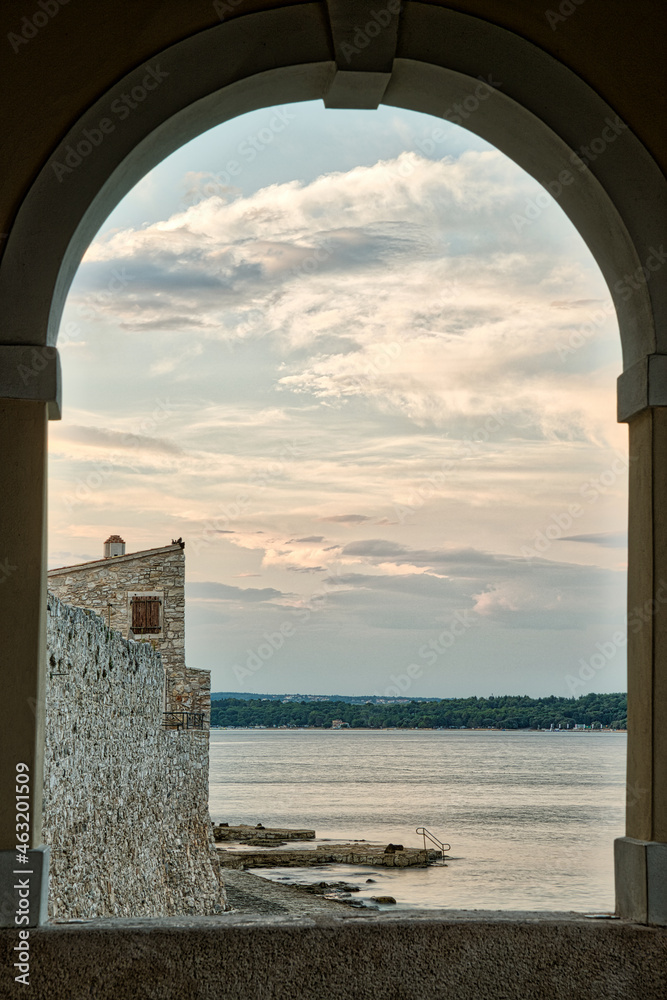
(114, 546)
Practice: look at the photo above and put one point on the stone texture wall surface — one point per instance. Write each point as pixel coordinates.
(189, 690)
(158, 572)
(125, 802)
(155, 572)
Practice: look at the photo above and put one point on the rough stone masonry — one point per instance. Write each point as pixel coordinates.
(108, 587)
(125, 801)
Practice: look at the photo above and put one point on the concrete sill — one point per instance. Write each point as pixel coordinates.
(436, 955)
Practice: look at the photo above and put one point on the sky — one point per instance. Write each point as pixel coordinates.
(367, 372)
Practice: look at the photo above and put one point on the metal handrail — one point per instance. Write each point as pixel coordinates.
(184, 720)
(443, 848)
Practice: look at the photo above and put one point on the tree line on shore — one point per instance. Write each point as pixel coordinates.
(504, 712)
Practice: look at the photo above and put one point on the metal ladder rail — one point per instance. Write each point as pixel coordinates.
(443, 848)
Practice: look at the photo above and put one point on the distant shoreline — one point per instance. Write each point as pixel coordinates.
(406, 729)
(495, 713)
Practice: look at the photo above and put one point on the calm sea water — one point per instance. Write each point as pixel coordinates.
(531, 817)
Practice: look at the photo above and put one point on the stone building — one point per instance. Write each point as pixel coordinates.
(141, 595)
(126, 785)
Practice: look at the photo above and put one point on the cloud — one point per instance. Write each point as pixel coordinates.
(306, 560)
(418, 298)
(422, 585)
(104, 437)
(528, 594)
(609, 539)
(346, 518)
(575, 304)
(225, 592)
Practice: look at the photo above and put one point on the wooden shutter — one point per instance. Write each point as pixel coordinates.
(146, 615)
(153, 612)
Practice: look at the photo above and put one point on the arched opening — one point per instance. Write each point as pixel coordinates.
(359, 372)
(431, 71)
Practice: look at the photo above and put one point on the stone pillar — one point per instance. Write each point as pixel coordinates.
(29, 395)
(23, 438)
(641, 856)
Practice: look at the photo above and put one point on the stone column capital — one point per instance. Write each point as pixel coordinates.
(641, 386)
(32, 372)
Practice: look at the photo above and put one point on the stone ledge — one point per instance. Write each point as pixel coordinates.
(439, 955)
(327, 854)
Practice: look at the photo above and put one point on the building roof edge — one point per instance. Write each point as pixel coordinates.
(174, 547)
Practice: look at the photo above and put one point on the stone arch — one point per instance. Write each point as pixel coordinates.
(421, 56)
(440, 62)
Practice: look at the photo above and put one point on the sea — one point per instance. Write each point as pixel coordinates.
(529, 817)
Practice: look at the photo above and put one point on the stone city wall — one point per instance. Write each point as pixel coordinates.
(125, 802)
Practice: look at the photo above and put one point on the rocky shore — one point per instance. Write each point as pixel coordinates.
(244, 846)
(258, 835)
(237, 840)
(248, 893)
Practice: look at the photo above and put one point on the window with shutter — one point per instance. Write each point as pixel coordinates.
(146, 615)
